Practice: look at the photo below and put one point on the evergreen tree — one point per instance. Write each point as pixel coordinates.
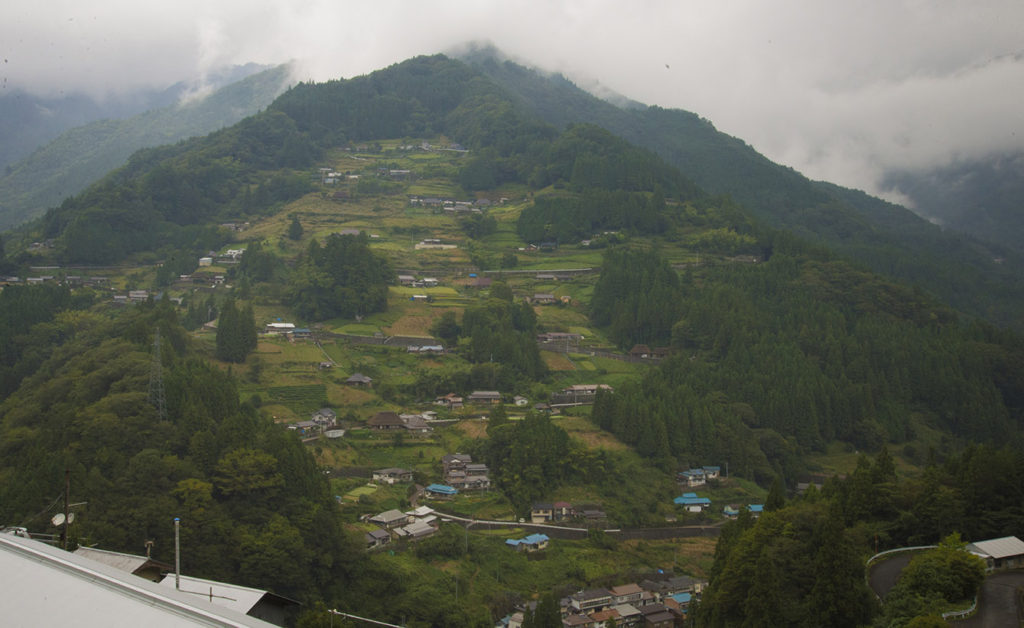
(236, 333)
(295, 229)
(776, 495)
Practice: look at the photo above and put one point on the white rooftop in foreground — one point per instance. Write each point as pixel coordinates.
(233, 596)
(46, 586)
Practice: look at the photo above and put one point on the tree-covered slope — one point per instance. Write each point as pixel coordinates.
(893, 241)
(256, 508)
(81, 155)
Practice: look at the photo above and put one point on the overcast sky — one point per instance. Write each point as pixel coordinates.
(837, 90)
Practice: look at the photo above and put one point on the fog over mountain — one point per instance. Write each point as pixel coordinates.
(842, 92)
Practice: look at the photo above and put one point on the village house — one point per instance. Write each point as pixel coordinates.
(415, 423)
(334, 431)
(543, 298)
(358, 379)
(423, 514)
(377, 538)
(692, 477)
(692, 503)
(384, 421)
(520, 401)
(488, 397)
(640, 352)
(455, 462)
(626, 593)
(450, 401)
(531, 543)
(392, 475)
(559, 337)
(415, 531)
(324, 416)
(590, 600)
(279, 328)
(406, 280)
(441, 491)
(580, 394)
(390, 519)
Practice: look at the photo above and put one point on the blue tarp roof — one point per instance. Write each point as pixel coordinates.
(533, 539)
(441, 488)
(756, 507)
(682, 598)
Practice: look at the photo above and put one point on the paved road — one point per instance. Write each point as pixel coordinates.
(885, 573)
(997, 602)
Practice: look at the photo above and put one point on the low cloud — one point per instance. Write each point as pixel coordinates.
(841, 91)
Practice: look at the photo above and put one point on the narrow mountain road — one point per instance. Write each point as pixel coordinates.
(884, 574)
(997, 602)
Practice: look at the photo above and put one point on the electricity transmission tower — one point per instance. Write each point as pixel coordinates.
(156, 381)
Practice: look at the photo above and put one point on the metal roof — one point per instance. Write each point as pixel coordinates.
(46, 586)
(1000, 548)
(118, 560)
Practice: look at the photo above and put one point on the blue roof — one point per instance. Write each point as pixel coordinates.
(682, 598)
(533, 539)
(441, 488)
(692, 501)
(756, 507)
(689, 494)
(710, 468)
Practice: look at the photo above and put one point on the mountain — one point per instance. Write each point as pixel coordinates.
(981, 197)
(27, 121)
(707, 337)
(81, 155)
(978, 278)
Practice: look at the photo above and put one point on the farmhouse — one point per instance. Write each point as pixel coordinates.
(358, 379)
(390, 519)
(485, 397)
(386, 421)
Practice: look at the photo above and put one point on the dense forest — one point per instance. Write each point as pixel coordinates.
(257, 510)
(341, 278)
(779, 358)
(801, 563)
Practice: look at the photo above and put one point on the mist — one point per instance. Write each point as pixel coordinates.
(840, 92)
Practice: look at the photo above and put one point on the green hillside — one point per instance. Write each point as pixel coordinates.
(78, 157)
(979, 279)
(424, 205)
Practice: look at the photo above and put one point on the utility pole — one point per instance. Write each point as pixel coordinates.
(67, 502)
(177, 553)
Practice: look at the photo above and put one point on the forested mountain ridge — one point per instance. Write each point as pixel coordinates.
(881, 236)
(777, 351)
(82, 155)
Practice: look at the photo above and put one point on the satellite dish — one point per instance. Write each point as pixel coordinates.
(58, 519)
